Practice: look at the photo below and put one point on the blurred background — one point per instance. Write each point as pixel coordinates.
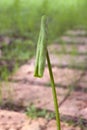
(67, 45)
(22, 17)
(20, 25)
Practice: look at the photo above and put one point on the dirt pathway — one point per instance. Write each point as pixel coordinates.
(23, 89)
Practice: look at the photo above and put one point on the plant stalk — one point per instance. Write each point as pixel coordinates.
(54, 92)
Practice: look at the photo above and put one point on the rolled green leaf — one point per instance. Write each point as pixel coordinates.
(41, 49)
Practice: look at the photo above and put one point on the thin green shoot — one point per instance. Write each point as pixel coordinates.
(41, 56)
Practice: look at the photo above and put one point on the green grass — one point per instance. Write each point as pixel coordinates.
(17, 50)
(34, 112)
(24, 16)
(21, 19)
(15, 54)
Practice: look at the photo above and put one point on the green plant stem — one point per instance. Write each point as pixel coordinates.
(54, 92)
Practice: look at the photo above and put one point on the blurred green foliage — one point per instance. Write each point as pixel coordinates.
(20, 20)
(23, 17)
(33, 112)
(15, 54)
